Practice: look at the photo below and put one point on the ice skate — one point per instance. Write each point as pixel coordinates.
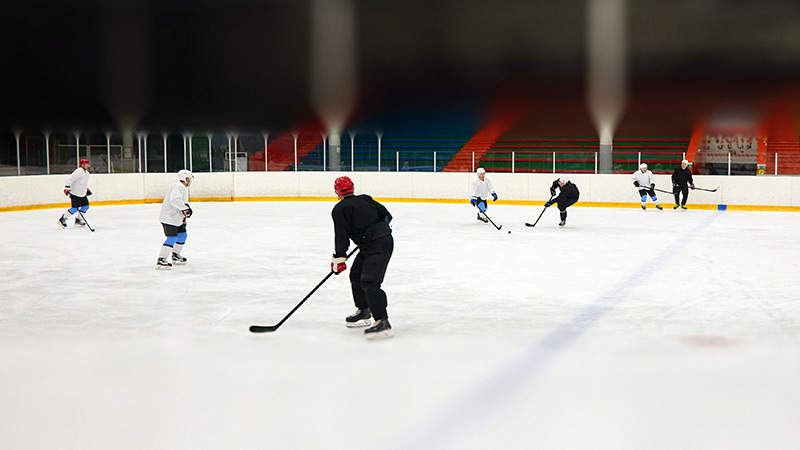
(659, 207)
(163, 264)
(381, 330)
(562, 223)
(676, 207)
(644, 207)
(79, 222)
(683, 207)
(178, 260)
(360, 318)
(62, 222)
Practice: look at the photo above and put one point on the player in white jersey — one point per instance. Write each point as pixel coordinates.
(643, 179)
(174, 212)
(479, 192)
(77, 189)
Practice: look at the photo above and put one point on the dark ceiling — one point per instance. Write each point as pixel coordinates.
(246, 63)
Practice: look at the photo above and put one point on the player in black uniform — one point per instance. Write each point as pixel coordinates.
(567, 196)
(366, 222)
(681, 182)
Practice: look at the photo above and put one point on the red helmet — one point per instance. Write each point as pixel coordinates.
(343, 186)
(83, 161)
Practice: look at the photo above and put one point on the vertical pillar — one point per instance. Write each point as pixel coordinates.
(189, 137)
(380, 135)
(210, 154)
(139, 146)
(77, 135)
(183, 138)
(145, 135)
(108, 150)
(324, 154)
(236, 152)
(164, 135)
(47, 148)
(335, 151)
(17, 134)
(127, 148)
(266, 139)
(352, 152)
(294, 136)
(229, 136)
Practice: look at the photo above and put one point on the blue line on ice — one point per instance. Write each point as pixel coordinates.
(456, 423)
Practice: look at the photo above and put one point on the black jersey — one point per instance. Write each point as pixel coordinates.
(682, 176)
(360, 218)
(567, 193)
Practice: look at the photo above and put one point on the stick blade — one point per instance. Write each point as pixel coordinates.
(263, 328)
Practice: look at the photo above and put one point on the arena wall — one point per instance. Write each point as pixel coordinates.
(734, 192)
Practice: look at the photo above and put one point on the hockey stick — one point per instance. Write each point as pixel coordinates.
(540, 215)
(490, 220)
(271, 328)
(639, 188)
(707, 190)
(84, 220)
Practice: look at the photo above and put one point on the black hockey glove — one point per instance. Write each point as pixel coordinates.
(636, 183)
(652, 185)
(187, 212)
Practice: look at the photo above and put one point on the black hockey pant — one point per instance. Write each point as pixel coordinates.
(677, 191)
(366, 276)
(562, 207)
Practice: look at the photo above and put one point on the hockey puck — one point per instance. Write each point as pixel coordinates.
(509, 231)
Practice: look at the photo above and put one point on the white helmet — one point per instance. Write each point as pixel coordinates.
(184, 174)
(643, 166)
(684, 162)
(481, 170)
(564, 179)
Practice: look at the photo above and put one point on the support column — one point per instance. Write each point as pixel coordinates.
(164, 135)
(127, 149)
(108, 150)
(210, 136)
(266, 142)
(335, 151)
(17, 134)
(606, 158)
(47, 134)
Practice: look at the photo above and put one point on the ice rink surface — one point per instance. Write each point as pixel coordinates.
(627, 329)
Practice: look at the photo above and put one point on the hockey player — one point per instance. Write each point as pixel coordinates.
(366, 222)
(479, 192)
(643, 179)
(77, 189)
(567, 196)
(681, 182)
(174, 212)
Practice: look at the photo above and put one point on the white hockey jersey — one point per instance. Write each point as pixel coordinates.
(481, 189)
(78, 182)
(174, 203)
(644, 179)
